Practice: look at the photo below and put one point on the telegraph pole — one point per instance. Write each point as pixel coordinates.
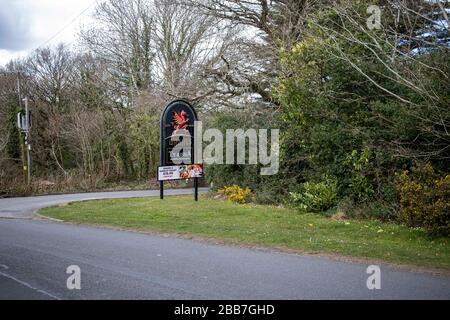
(24, 123)
(27, 142)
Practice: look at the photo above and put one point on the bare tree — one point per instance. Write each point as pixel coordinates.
(84, 133)
(50, 76)
(48, 82)
(187, 42)
(8, 92)
(249, 69)
(121, 37)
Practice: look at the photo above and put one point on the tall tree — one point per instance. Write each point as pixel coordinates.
(249, 70)
(121, 36)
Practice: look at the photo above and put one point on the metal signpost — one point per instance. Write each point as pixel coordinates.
(178, 116)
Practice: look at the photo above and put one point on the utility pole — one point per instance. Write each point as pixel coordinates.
(27, 142)
(24, 123)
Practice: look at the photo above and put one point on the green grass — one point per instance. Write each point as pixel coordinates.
(263, 226)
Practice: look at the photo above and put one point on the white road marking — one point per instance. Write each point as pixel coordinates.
(29, 286)
(4, 266)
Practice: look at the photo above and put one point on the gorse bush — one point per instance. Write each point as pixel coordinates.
(236, 193)
(316, 196)
(424, 199)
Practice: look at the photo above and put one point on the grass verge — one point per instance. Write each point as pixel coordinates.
(266, 226)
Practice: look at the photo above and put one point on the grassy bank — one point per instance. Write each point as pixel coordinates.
(264, 226)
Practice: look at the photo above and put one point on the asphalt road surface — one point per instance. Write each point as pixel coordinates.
(35, 255)
(23, 208)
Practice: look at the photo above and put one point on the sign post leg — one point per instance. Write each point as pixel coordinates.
(196, 189)
(161, 190)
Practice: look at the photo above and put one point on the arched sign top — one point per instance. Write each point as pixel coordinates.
(178, 114)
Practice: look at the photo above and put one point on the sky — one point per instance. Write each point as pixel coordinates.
(28, 24)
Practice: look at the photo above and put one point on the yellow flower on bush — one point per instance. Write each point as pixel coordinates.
(424, 195)
(235, 193)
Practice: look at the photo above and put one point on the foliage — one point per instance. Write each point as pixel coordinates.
(424, 199)
(344, 113)
(236, 193)
(359, 165)
(267, 189)
(354, 105)
(316, 196)
(144, 137)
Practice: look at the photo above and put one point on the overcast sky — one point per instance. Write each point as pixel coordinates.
(27, 24)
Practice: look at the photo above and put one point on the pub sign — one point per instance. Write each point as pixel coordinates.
(177, 145)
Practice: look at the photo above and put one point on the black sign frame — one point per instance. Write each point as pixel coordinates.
(165, 133)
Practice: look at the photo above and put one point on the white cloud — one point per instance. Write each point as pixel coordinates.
(27, 24)
(6, 56)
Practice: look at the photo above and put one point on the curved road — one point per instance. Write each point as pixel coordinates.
(24, 207)
(35, 254)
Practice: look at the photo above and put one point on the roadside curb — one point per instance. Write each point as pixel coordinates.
(45, 217)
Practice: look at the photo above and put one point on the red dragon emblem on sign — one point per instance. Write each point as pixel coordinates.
(180, 120)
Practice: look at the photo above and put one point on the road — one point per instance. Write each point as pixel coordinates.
(24, 207)
(35, 254)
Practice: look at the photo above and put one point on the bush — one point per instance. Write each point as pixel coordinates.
(378, 209)
(360, 165)
(424, 199)
(235, 193)
(267, 189)
(316, 196)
